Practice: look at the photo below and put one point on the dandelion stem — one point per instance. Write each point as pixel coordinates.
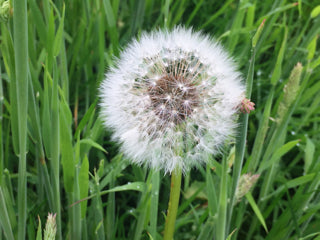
(173, 204)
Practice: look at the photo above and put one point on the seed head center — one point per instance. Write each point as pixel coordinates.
(173, 98)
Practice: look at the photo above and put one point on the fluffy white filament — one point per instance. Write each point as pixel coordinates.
(171, 99)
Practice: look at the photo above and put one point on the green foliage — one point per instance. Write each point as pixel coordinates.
(56, 157)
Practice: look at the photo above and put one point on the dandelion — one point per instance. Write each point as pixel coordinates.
(171, 99)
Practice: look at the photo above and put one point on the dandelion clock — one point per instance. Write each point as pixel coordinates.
(171, 101)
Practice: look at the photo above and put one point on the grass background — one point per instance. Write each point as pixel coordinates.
(54, 150)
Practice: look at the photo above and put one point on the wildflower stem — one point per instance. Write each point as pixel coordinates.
(173, 204)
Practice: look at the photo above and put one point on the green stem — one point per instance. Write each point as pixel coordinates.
(241, 139)
(173, 204)
(20, 34)
(154, 203)
(223, 200)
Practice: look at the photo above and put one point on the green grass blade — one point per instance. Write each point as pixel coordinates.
(277, 155)
(1, 127)
(154, 203)
(7, 191)
(59, 35)
(236, 25)
(256, 210)
(221, 225)
(88, 115)
(38, 20)
(84, 184)
(309, 154)
(277, 69)
(217, 14)
(45, 112)
(241, 138)
(92, 143)
(207, 229)
(39, 231)
(110, 212)
(253, 161)
(211, 191)
(4, 218)
(112, 28)
(137, 16)
(66, 147)
(20, 36)
(135, 186)
(194, 12)
(75, 196)
(292, 184)
(165, 11)
(55, 148)
(142, 211)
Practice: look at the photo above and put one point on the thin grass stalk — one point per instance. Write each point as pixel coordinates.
(55, 148)
(74, 196)
(64, 71)
(166, 13)
(241, 139)
(110, 214)
(98, 212)
(217, 14)
(76, 210)
(20, 33)
(84, 233)
(34, 117)
(138, 16)
(237, 23)
(101, 45)
(173, 204)
(7, 53)
(221, 230)
(211, 191)
(46, 181)
(142, 210)
(154, 203)
(243, 122)
(1, 120)
(112, 26)
(10, 201)
(4, 218)
(253, 162)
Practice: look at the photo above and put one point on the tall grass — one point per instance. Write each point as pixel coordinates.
(55, 155)
(20, 93)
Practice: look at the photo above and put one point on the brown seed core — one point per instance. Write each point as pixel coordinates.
(173, 98)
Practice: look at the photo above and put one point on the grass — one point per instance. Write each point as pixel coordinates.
(55, 152)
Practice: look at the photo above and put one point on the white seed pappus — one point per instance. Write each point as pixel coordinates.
(172, 98)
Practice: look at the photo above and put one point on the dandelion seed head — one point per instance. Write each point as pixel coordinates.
(172, 99)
